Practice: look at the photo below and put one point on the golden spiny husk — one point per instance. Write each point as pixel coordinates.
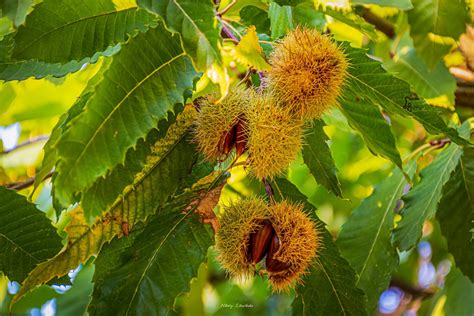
(274, 136)
(299, 242)
(213, 120)
(238, 221)
(308, 70)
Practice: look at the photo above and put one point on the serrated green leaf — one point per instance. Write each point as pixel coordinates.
(26, 236)
(196, 22)
(401, 4)
(456, 213)
(421, 203)
(425, 82)
(430, 21)
(252, 15)
(105, 191)
(127, 104)
(161, 177)
(366, 118)
(317, 156)
(369, 80)
(58, 31)
(281, 19)
(24, 69)
(156, 267)
(365, 238)
(329, 288)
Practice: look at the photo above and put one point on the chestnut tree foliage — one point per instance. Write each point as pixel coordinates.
(132, 195)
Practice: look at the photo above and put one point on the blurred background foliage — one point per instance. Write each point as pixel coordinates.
(29, 109)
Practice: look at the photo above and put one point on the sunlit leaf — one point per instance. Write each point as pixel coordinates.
(281, 20)
(365, 238)
(127, 104)
(58, 31)
(160, 178)
(249, 52)
(434, 25)
(367, 79)
(425, 82)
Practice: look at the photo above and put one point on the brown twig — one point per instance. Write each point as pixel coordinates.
(380, 23)
(227, 33)
(224, 11)
(26, 143)
(27, 183)
(465, 94)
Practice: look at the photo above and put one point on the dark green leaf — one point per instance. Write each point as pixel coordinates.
(195, 21)
(58, 31)
(317, 156)
(251, 15)
(281, 20)
(425, 82)
(365, 238)
(329, 288)
(366, 118)
(368, 80)
(127, 104)
(401, 4)
(430, 21)
(24, 69)
(26, 236)
(105, 190)
(421, 203)
(161, 177)
(305, 14)
(456, 213)
(144, 277)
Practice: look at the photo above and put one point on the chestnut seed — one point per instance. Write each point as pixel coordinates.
(260, 241)
(228, 140)
(272, 264)
(241, 139)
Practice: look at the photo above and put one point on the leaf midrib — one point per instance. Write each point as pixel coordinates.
(387, 210)
(420, 76)
(381, 95)
(116, 107)
(59, 28)
(332, 286)
(152, 260)
(431, 196)
(19, 247)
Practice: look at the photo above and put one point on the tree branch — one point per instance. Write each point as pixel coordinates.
(26, 143)
(380, 23)
(27, 183)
